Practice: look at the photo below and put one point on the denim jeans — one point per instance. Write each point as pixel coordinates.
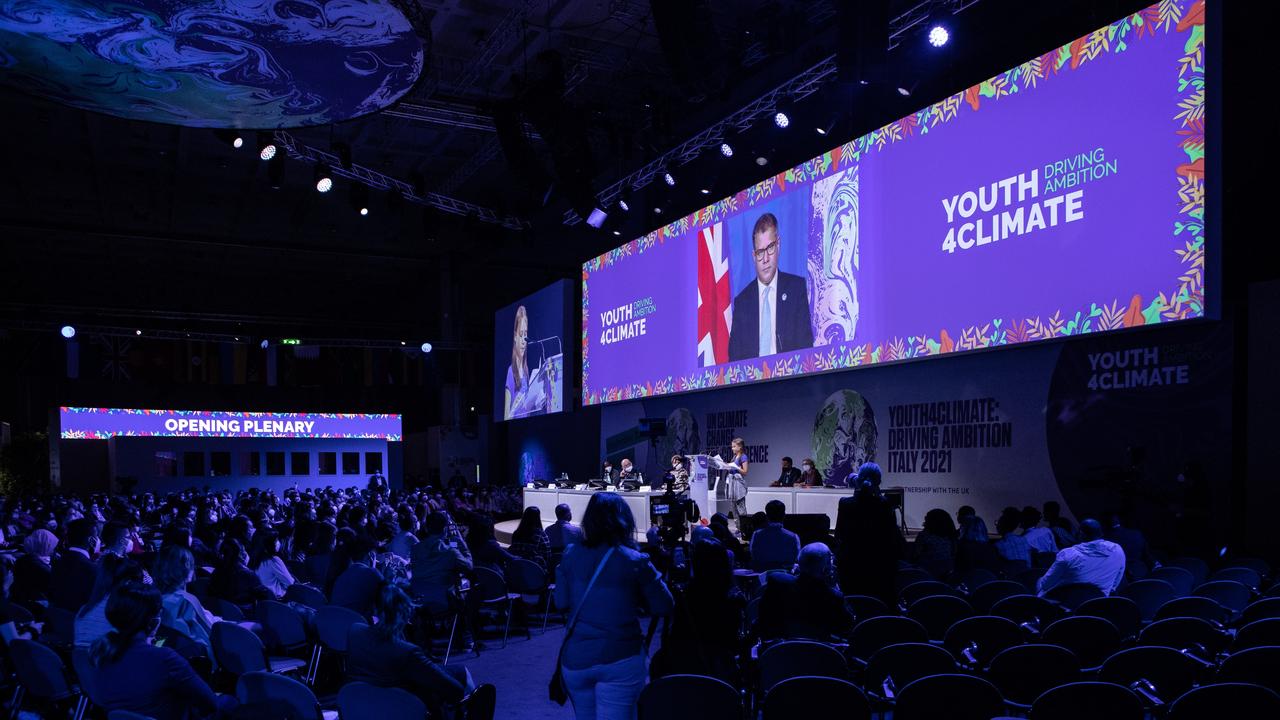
(606, 692)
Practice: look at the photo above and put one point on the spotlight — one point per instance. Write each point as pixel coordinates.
(821, 131)
(264, 344)
(597, 217)
(618, 233)
(669, 179)
(904, 92)
(359, 198)
(622, 204)
(68, 332)
(324, 183)
(705, 191)
(137, 332)
(781, 119)
(230, 137)
(426, 347)
(402, 342)
(726, 149)
(266, 146)
(938, 36)
(657, 211)
(762, 161)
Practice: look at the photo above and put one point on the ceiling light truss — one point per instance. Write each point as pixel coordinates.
(358, 173)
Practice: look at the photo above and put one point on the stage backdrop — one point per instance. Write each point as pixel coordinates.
(1064, 196)
(528, 356)
(1095, 423)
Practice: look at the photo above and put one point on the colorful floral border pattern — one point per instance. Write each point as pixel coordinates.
(102, 435)
(1184, 301)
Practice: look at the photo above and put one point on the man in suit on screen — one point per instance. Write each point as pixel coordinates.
(771, 314)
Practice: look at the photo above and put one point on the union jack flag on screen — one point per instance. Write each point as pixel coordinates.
(715, 304)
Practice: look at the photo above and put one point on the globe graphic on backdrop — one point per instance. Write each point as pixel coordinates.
(682, 437)
(844, 435)
(533, 466)
(248, 64)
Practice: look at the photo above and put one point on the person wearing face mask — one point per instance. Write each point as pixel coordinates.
(628, 470)
(789, 476)
(608, 474)
(809, 476)
(679, 476)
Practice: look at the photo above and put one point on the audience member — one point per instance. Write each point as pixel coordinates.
(605, 584)
(562, 532)
(1063, 534)
(32, 571)
(868, 539)
(1013, 547)
(320, 552)
(529, 541)
(402, 544)
(129, 673)
(232, 579)
(380, 655)
(74, 572)
(934, 548)
(1093, 560)
(972, 528)
(719, 525)
(436, 564)
(702, 637)
(182, 612)
(773, 547)
(265, 560)
(1137, 553)
(91, 622)
(357, 587)
(807, 605)
(9, 630)
(485, 549)
(1039, 539)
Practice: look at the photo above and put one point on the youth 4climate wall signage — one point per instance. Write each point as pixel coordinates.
(1064, 196)
(104, 423)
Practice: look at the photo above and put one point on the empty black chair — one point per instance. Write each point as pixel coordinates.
(1180, 578)
(1030, 579)
(41, 674)
(1198, 568)
(1273, 591)
(1031, 610)
(939, 612)
(865, 606)
(1093, 700)
(1073, 595)
(974, 641)
(1261, 610)
(794, 658)
(1258, 565)
(924, 588)
(1024, 672)
(910, 575)
(1248, 577)
(874, 633)
(974, 578)
(1149, 595)
(362, 701)
(1091, 639)
(307, 595)
(1230, 594)
(809, 697)
(894, 667)
(951, 696)
(689, 696)
(1186, 633)
(1158, 674)
(1227, 700)
(1119, 611)
(1257, 634)
(1196, 607)
(1259, 666)
(261, 687)
(285, 628)
(984, 596)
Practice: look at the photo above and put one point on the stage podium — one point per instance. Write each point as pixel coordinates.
(699, 487)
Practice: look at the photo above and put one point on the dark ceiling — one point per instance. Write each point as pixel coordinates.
(108, 220)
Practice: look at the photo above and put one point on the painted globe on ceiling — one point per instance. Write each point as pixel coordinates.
(212, 63)
(844, 435)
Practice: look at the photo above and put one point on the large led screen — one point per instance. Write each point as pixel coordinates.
(83, 423)
(528, 355)
(1064, 196)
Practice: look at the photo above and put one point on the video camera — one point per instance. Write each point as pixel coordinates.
(672, 512)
